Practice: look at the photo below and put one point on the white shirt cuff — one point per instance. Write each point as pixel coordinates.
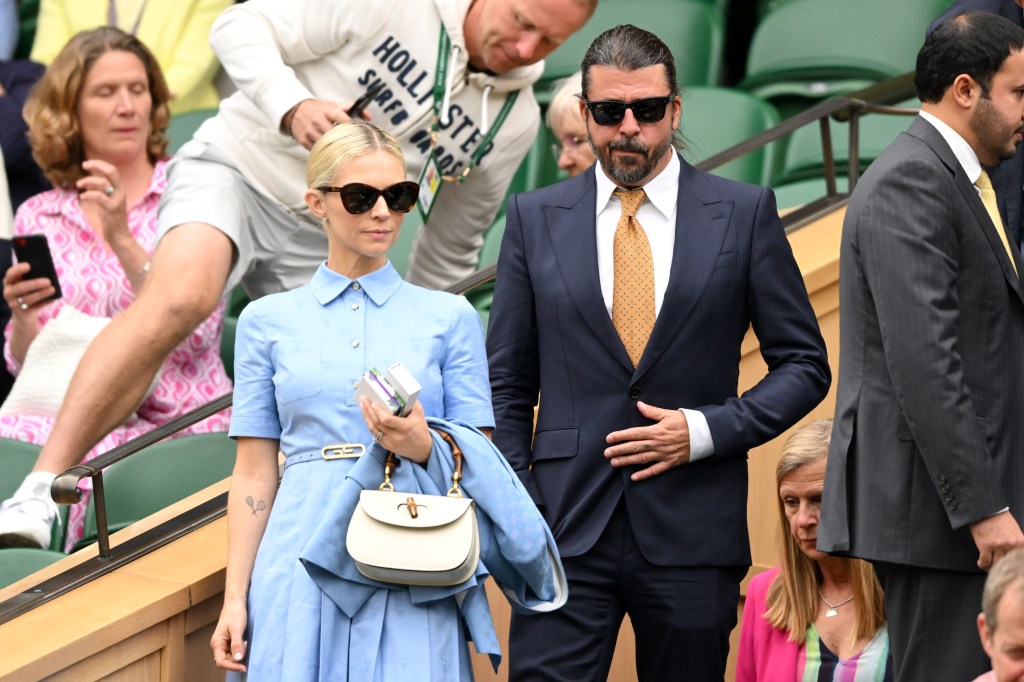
(701, 444)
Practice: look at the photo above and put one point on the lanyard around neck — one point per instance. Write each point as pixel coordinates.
(440, 81)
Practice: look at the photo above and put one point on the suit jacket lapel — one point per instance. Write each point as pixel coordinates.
(571, 224)
(702, 219)
(927, 133)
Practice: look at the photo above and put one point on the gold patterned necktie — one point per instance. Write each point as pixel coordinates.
(988, 198)
(633, 286)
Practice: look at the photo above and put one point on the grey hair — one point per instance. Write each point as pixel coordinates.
(1008, 572)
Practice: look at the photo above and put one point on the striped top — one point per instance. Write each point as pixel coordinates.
(818, 664)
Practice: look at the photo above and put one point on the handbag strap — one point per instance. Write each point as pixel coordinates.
(391, 462)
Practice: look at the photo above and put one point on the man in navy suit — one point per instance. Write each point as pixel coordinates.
(1008, 176)
(639, 458)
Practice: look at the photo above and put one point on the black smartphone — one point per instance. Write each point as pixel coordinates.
(34, 250)
(360, 104)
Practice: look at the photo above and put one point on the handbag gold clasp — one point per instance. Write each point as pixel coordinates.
(386, 485)
(411, 504)
(343, 451)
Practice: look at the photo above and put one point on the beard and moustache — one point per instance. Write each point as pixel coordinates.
(629, 171)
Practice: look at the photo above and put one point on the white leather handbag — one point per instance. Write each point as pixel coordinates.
(412, 538)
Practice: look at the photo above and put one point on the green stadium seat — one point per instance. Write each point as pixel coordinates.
(17, 459)
(237, 300)
(18, 562)
(803, 157)
(795, 194)
(183, 127)
(715, 119)
(492, 243)
(694, 32)
(28, 18)
(159, 476)
(807, 50)
(227, 345)
(400, 251)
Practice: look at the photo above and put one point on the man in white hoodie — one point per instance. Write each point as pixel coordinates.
(456, 76)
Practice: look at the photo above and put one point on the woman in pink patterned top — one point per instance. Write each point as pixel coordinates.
(96, 124)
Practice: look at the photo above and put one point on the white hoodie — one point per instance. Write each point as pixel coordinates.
(280, 53)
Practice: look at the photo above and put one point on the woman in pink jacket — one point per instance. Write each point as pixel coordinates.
(816, 617)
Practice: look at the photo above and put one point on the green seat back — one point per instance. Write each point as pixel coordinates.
(715, 119)
(692, 30)
(159, 476)
(795, 194)
(28, 18)
(492, 243)
(183, 127)
(227, 345)
(399, 252)
(18, 562)
(808, 50)
(17, 459)
(803, 157)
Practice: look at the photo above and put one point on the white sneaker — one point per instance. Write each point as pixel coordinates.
(27, 518)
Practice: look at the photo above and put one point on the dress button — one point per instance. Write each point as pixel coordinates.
(355, 344)
(355, 306)
(356, 286)
(634, 392)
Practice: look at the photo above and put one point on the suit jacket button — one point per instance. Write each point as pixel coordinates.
(949, 497)
(942, 479)
(952, 505)
(945, 487)
(634, 392)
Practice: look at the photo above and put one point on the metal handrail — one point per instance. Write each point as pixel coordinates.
(875, 99)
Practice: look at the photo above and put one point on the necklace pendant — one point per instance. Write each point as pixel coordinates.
(832, 613)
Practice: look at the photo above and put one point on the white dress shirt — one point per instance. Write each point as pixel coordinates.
(657, 216)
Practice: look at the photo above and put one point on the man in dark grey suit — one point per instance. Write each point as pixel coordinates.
(925, 473)
(1008, 177)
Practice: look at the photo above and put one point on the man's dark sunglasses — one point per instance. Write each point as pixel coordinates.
(610, 112)
(359, 198)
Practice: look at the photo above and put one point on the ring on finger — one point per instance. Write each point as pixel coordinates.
(379, 436)
(21, 304)
(109, 190)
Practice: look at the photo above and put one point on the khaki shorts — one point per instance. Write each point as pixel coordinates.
(275, 250)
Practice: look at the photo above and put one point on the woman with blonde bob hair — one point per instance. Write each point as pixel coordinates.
(816, 617)
(295, 607)
(96, 123)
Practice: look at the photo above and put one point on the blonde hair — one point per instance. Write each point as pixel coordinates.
(51, 111)
(344, 143)
(792, 599)
(565, 100)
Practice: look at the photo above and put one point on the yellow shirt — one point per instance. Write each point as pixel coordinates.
(176, 31)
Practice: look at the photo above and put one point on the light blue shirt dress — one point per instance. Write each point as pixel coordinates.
(298, 358)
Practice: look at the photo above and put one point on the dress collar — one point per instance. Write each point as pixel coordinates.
(327, 284)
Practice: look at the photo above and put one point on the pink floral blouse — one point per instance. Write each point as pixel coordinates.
(92, 281)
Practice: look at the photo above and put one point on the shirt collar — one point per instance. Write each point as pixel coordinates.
(661, 190)
(327, 284)
(961, 150)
